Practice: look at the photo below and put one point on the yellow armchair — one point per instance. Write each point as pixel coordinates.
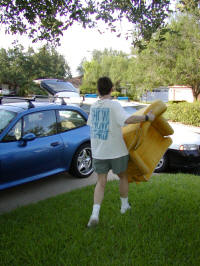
(147, 142)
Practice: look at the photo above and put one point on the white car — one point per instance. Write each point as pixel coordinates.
(184, 152)
(129, 106)
(61, 90)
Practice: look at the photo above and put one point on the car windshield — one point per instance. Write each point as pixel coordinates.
(58, 86)
(5, 118)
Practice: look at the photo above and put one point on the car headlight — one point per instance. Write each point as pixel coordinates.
(189, 147)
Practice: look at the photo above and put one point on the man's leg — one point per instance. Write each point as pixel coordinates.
(99, 189)
(98, 198)
(123, 185)
(123, 190)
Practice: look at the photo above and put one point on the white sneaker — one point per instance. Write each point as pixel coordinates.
(125, 208)
(94, 220)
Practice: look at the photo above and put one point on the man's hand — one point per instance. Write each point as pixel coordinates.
(134, 119)
(151, 116)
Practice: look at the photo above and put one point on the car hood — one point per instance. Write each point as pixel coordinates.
(183, 135)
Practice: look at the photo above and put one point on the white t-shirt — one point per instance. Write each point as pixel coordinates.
(105, 120)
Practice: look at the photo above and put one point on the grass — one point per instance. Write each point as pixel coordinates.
(161, 229)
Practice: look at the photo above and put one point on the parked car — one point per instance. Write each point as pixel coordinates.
(60, 89)
(184, 152)
(129, 106)
(38, 139)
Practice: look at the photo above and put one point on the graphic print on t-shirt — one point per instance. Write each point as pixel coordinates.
(100, 123)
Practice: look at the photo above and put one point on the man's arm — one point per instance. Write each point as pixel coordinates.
(134, 119)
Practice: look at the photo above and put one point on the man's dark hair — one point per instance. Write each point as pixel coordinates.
(104, 85)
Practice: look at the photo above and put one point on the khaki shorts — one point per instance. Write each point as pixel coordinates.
(117, 165)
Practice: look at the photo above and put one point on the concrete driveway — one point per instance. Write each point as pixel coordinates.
(42, 189)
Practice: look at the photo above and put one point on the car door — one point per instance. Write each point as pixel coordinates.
(73, 131)
(36, 157)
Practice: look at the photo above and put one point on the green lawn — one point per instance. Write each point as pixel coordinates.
(163, 227)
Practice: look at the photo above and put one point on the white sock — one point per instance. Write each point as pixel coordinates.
(124, 201)
(96, 209)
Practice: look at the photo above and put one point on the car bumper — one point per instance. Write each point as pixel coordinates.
(184, 159)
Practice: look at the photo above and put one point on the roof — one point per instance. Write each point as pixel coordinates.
(76, 81)
(180, 87)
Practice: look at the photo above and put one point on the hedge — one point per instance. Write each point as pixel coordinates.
(184, 112)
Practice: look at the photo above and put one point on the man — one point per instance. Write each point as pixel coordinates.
(109, 150)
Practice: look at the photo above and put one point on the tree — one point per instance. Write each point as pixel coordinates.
(175, 60)
(92, 71)
(48, 63)
(12, 67)
(190, 6)
(186, 70)
(107, 63)
(80, 69)
(18, 68)
(48, 19)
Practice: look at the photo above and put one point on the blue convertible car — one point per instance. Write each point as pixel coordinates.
(38, 139)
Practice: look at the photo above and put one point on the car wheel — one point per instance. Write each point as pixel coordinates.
(82, 161)
(162, 165)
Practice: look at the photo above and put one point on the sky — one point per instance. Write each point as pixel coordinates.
(78, 43)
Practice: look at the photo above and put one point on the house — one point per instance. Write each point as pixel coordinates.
(76, 81)
(181, 93)
(6, 90)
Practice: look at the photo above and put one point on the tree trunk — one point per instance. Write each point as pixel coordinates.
(196, 91)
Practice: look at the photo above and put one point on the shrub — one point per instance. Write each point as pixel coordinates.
(116, 94)
(184, 112)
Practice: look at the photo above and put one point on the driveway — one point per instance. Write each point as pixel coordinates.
(42, 189)
(188, 127)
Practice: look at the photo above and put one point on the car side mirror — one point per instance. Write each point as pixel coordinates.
(25, 138)
(29, 137)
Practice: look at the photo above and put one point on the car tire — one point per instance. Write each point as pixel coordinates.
(162, 165)
(81, 165)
